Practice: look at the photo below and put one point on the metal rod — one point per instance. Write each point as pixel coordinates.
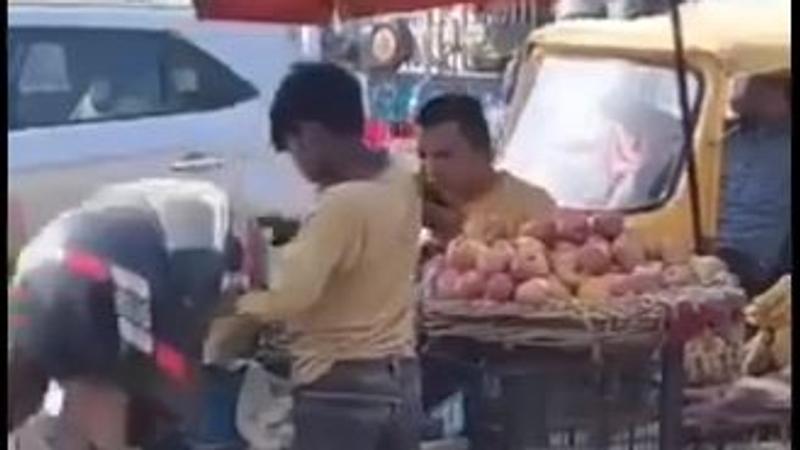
(671, 398)
(686, 121)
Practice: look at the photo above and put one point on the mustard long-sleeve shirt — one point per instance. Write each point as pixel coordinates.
(512, 200)
(345, 287)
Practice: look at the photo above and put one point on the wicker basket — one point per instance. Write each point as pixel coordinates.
(573, 324)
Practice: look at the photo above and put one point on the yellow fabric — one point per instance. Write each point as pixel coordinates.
(512, 201)
(345, 286)
(782, 346)
(771, 313)
(745, 38)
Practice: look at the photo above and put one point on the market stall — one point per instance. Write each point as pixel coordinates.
(598, 319)
(579, 307)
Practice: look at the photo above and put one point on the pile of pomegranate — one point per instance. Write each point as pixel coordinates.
(591, 258)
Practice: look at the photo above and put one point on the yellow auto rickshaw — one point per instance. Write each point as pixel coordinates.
(596, 119)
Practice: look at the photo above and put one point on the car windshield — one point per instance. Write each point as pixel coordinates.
(600, 133)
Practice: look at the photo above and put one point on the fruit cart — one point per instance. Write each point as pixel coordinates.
(573, 335)
(699, 335)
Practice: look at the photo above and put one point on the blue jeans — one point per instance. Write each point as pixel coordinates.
(215, 425)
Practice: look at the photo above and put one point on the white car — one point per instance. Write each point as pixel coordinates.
(109, 93)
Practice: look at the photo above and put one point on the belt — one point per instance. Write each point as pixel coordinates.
(393, 363)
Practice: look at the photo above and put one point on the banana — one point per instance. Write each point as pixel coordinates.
(782, 347)
(770, 299)
(780, 316)
(757, 356)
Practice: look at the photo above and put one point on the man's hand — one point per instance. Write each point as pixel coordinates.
(440, 210)
(231, 337)
(445, 222)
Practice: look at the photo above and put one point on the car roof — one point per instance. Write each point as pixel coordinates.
(745, 38)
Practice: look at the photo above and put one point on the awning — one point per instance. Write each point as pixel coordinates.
(315, 11)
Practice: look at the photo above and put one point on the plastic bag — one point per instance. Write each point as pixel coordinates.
(263, 415)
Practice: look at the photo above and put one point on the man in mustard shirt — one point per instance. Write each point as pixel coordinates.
(345, 288)
(456, 153)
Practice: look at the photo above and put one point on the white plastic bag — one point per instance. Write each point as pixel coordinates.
(264, 409)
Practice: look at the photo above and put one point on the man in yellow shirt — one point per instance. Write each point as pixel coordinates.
(345, 288)
(456, 153)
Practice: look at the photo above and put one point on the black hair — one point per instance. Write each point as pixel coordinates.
(462, 109)
(317, 92)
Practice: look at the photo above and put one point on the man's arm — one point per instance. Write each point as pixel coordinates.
(540, 202)
(439, 214)
(328, 242)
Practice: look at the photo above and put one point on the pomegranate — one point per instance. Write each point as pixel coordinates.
(557, 289)
(533, 291)
(447, 285)
(564, 247)
(462, 253)
(572, 226)
(471, 285)
(499, 287)
(496, 258)
(565, 267)
(608, 224)
(594, 258)
(629, 251)
(529, 247)
(648, 277)
(524, 268)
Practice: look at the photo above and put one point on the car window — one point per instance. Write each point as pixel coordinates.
(601, 133)
(70, 76)
(80, 75)
(44, 69)
(197, 82)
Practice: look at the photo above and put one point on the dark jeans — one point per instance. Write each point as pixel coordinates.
(361, 405)
(754, 277)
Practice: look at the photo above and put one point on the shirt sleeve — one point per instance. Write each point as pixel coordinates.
(328, 242)
(540, 202)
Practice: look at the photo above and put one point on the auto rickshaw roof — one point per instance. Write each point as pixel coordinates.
(745, 38)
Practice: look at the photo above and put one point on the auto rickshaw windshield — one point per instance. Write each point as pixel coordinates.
(600, 133)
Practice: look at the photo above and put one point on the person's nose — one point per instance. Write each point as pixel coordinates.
(432, 170)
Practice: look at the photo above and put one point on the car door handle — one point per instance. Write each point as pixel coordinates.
(197, 162)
